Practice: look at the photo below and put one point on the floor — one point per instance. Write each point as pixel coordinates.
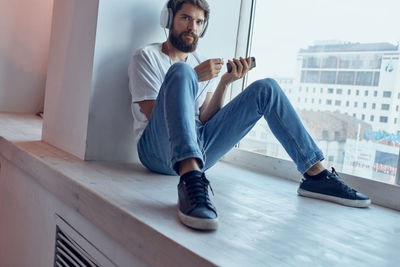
(263, 222)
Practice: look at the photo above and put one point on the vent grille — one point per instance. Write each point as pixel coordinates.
(68, 253)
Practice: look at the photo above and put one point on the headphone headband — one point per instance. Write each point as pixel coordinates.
(167, 16)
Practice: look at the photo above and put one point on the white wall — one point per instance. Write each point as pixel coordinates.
(24, 43)
(92, 43)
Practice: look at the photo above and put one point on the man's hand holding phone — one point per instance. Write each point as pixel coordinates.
(237, 69)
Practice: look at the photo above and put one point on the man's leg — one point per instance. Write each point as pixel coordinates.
(263, 98)
(170, 136)
(266, 98)
(169, 144)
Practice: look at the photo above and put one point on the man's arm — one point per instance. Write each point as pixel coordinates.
(147, 106)
(213, 104)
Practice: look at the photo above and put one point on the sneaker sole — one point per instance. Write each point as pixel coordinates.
(356, 203)
(198, 223)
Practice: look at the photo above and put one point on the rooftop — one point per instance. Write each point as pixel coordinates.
(350, 47)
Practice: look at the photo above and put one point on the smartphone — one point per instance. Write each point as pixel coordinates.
(252, 64)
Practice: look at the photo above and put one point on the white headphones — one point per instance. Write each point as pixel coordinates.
(167, 16)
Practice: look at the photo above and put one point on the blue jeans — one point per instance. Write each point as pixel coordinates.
(173, 134)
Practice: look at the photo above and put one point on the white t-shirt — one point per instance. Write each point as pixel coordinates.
(147, 71)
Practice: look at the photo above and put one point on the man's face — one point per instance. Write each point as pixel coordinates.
(187, 25)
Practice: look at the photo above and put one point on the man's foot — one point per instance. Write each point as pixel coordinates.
(328, 186)
(194, 205)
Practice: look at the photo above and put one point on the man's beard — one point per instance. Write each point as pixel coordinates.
(179, 43)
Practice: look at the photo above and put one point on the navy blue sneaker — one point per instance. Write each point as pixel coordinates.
(194, 205)
(329, 187)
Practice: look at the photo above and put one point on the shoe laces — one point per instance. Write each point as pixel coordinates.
(334, 176)
(197, 189)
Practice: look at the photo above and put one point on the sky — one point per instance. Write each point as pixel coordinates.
(282, 27)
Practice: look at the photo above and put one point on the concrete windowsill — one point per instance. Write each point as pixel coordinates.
(262, 220)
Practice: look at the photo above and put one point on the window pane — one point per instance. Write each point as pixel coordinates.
(352, 81)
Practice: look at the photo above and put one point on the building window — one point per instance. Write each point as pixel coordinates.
(338, 103)
(329, 102)
(298, 100)
(347, 103)
(364, 105)
(371, 118)
(319, 101)
(300, 89)
(364, 78)
(387, 94)
(363, 117)
(383, 119)
(307, 89)
(375, 93)
(314, 89)
(328, 77)
(339, 91)
(373, 105)
(305, 100)
(366, 93)
(357, 92)
(395, 120)
(322, 90)
(385, 107)
(349, 91)
(325, 134)
(397, 108)
(330, 90)
(355, 104)
(354, 115)
(337, 135)
(398, 96)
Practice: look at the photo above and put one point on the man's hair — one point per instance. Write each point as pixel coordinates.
(176, 5)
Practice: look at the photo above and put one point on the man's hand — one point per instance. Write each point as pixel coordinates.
(240, 67)
(209, 69)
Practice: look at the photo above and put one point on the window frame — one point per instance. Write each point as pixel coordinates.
(384, 194)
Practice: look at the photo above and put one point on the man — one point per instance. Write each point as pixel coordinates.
(182, 128)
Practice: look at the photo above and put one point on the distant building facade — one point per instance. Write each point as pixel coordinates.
(359, 80)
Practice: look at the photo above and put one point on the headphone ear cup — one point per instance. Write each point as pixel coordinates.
(166, 17)
(204, 29)
(170, 18)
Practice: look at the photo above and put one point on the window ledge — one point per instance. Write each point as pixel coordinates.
(262, 220)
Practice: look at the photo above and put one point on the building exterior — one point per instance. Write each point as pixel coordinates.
(359, 80)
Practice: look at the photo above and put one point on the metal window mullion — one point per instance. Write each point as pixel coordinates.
(397, 181)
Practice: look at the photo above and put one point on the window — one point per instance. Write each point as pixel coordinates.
(328, 77)
(300, 89)
(385, 107)
(364, 78)
(387, 94)
(397, 108)
(346, 77)
(395, 120)
(383, 119)
(339, 72)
